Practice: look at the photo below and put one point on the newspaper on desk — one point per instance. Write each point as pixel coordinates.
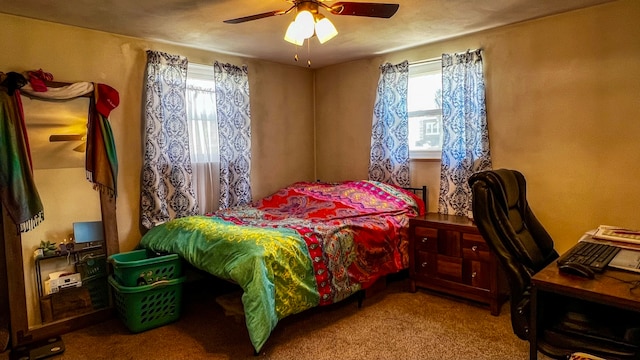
(628, 258)
(618, 234)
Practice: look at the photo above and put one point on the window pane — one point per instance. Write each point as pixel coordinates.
(425, 110)
(425, 132)
(201, 114)
(425, 92)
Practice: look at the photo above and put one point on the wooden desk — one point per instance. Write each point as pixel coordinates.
(608, 288)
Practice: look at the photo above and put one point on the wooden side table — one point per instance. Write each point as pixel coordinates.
(447, 254)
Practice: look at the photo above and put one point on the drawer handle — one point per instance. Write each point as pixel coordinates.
(424, 264)
(474, 274)
(474, 248)
(425, 240)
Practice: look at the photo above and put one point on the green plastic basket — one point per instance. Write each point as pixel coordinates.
(146, 307)
(92, 267)
(98, 290)
(143, 267)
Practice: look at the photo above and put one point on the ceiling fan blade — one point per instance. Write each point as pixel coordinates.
(256, 16)
(364, 9)
(70, 137)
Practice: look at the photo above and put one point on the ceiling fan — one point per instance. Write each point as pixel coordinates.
(340, 8)
(71, 137)
(309, 21)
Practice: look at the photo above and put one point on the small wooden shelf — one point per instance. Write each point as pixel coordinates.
(90, 263)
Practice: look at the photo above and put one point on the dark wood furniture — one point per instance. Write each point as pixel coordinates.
(613, 288)
(448, 255)
(93, 293)
(21, 333)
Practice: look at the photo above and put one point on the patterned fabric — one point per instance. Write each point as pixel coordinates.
(465, 145)
(166, 192)
(234, 129)
(18, 191)
(101, 160)
(389, 160)
(308, 244)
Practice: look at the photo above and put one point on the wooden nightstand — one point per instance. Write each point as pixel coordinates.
(447, 254)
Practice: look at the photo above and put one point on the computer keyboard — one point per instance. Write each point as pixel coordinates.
(594, 255)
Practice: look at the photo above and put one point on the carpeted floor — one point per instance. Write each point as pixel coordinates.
(393, 324)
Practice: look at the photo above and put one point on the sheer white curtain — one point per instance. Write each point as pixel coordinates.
(203, 136)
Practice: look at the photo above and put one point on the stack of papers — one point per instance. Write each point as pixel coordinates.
(628, 258)
(617, 233)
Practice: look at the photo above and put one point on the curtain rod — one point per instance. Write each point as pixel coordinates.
(426, 61)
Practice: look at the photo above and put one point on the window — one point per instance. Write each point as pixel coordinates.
(204, 150)
(201, 113)
(425, 110)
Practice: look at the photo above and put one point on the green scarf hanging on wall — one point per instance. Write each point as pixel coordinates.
(19, 195)
(101, 158)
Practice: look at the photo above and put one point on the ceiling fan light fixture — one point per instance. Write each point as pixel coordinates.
(305, 24)
(292, 34)
(325, 30)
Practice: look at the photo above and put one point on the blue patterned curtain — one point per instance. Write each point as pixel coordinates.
(465, 145)
(234, 129)
(166, 192)
(389, 160)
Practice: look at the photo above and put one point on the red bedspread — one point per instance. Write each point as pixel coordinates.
(372, 215)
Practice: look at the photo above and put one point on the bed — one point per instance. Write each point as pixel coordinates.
(306, 245)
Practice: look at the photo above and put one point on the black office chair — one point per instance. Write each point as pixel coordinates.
(523, 247)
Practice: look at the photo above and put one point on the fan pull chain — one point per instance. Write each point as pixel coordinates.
(295, 57)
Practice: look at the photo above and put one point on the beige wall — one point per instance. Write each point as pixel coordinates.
(281, 102)
(562, 100)
(563, 104)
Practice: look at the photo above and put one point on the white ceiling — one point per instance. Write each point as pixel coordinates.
(199, 23)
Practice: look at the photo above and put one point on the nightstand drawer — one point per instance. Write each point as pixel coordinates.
(474, 247)
(477, 274)
(426, 238)
(426, 263)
